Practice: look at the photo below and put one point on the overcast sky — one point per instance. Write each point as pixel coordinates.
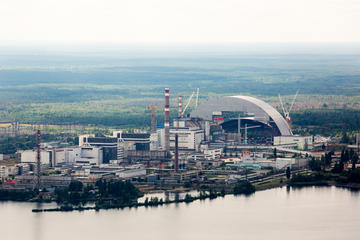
(178, 21)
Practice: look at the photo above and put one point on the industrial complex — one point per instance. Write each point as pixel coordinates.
(226, 139)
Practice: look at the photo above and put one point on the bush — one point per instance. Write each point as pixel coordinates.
(187, 184)
(354, 176)
(315, 165)
(75, 186)
(308, 179)
(244, 187)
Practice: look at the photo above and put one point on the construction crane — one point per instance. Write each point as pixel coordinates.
(287, 112)
(188, 103)
(153, 120)
(193, 94)
(197, 98)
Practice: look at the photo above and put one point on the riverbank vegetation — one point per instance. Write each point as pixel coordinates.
(244, 187)
(108, 202)
(16, 195)
(105, 192)
(325, 171)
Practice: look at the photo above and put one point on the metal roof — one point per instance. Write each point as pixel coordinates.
(262, 111)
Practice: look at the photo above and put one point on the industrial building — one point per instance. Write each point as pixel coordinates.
(190, 135)
(302, 142)
(69, 155)
(4, 157)
(253, 112)
(109, 146)
(205, 140)
(27, 181)
(134, 141)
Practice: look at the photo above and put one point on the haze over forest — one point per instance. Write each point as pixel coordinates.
(63, 82)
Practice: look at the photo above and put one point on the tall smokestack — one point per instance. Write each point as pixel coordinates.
(180, 105)
(38, 160)
(176, 163)
(167, 119)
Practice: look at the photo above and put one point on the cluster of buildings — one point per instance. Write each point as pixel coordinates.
(214, 135)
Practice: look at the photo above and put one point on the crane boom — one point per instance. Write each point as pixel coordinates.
(197, 97)
(282, 106)
(188, 103)
(292, 104)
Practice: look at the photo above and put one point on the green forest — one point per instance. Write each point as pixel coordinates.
(115, 92)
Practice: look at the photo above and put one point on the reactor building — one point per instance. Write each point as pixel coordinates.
(249, 111)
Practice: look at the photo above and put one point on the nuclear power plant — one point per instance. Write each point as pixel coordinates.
(220, 134)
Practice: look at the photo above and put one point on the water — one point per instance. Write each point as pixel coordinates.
(307, 213)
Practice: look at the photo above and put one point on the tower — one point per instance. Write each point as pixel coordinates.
(176, 163)
(180, 106)
(38, 161)
(167, 119)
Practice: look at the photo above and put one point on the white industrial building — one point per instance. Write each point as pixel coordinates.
(18, 169)
(53, 157)
(88, 155)
(29, 156)
(190, 135)
(301, 141)
(6, 171)
(155, 142)
(131, 173)
(134, 141)
(283, 163)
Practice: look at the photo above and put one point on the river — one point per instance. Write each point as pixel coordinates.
(281, 213)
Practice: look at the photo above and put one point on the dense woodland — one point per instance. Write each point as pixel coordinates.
(330, 122)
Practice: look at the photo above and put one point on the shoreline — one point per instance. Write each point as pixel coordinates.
(211, 192)
(350, 186)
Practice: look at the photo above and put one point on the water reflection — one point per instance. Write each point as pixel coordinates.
(305, 213)
(38, 222)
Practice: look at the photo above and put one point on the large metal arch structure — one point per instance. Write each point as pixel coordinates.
(261, 110)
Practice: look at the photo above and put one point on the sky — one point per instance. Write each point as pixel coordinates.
(178, 21)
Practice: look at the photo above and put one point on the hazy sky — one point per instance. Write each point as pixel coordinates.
(178, 21)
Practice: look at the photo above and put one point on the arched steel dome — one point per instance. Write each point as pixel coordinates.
(261, 111)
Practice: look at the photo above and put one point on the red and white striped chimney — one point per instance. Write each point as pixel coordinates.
(180, 105)
(167, 119)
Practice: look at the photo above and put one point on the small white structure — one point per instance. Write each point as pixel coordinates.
(131, 173)
(214, 153)
(283, 163)
(6, 171)
(155, 141)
